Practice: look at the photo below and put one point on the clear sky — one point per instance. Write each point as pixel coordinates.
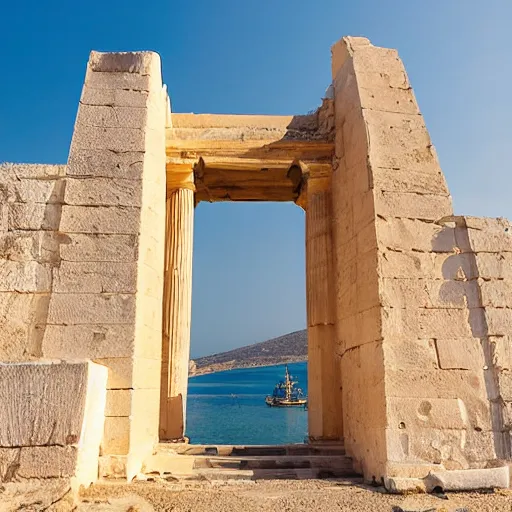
(265, 57)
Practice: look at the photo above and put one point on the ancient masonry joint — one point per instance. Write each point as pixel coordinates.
(409, 307)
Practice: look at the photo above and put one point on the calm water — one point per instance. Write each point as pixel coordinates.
(229, 407)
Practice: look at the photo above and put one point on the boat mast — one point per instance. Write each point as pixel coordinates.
(288, 385)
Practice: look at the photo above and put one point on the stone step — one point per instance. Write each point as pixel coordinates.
(274, 462)
(270, 474)
(255, 450)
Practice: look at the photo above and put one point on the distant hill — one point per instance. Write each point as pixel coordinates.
(289, 348)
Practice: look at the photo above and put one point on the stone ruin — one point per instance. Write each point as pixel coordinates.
(408, 306)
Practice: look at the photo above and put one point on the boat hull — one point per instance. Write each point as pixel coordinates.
(283, 402)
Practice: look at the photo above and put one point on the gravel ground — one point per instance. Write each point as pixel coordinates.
(278, 496)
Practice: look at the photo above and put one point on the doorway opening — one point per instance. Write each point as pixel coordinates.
(248, 319)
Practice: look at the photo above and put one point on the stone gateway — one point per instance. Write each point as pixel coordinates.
(409, 307)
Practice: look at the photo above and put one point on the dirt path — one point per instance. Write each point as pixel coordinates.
(278, 496)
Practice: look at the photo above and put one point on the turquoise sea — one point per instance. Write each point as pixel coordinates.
(229, 407)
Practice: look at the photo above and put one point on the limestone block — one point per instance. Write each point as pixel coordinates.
(47, 461)
(80, 308)
(499, 321)
(362, 328)
(102, 116)
(112, 466)
(505, 383)
(119, 402)
(117, 80)
(469, 479)
(40, 246)
(95, 277)
(355, 138)
(407, 234)
(400, 180)
(142, 63)
(33, 190)
(406, 265)
(116, 437)
(101, 219)
(114, 97)
(52, 495)
(411, 205)
(125, 373)
(429, 323)
(19, 171)
(429, 293)
(103, 192)
(496, 293)
(411, 413)
(24, 387)
(397, 100)
(108, 139)
(489, 235)
(411, 354)
(99, 247)
(363, 211)
(366, 240)
(400, 141)
(107, 164)
(502, 351)
(379, 68)
(460, 354)
(29, 276)
(34, 216)
(434, 384)
(88, 341)
(494, 265)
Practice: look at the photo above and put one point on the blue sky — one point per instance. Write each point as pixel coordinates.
(265, 57)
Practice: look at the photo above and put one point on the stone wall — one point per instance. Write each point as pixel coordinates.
(83, 245)
(31, 205)
(420, 389)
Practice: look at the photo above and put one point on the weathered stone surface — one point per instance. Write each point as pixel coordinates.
(388, 99)
(502, 351)
(116, 438)
(19, 171)
(101, 219)
(431, 323)
(24, 387)
(470, 479)
(107, 164)
(411, 354)
(496, 293)
(125, 81)
(137, 373)
(103, 192)
(407, 265)
(99, 247)
(47, 461)
(429, 293)
(408, 234)
(95, 277)
(433, 384)
(399, 180)
(41, 246)
(494, 265)
(80, 308)
(143, 63)
(449, 413)
(88, 341)
(412, 205)
(35, 495)
(499, 321)
(109, 139)
(28, 276)
(400, 141)
(23, 190)
(113, 97)
(460, 354)
(34, 216)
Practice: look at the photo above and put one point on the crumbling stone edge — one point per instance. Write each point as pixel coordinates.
(453, 480)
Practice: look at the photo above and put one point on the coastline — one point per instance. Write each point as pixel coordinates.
(226, 367)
